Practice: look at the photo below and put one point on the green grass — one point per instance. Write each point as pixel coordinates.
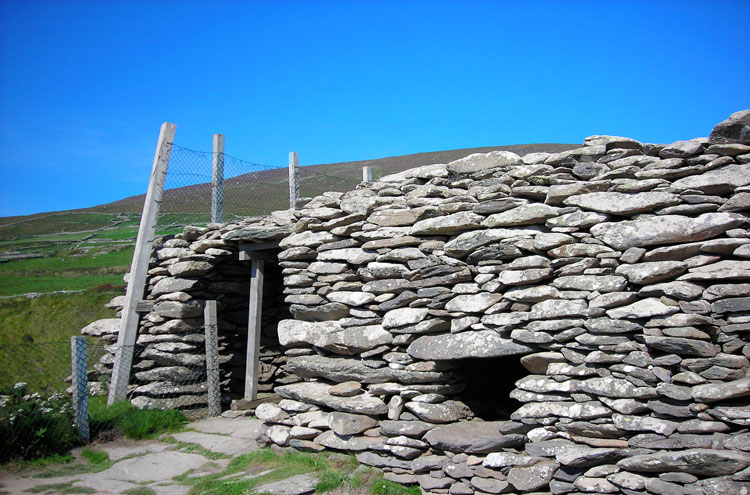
(61, 488)
(95, 457)
(64, 271)
(134, 423)
(96, 461)
(333, 470)
(54, 317)
(139, 490)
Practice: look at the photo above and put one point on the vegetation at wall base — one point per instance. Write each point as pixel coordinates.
(33, 426)
(336, 472)
(122, 418)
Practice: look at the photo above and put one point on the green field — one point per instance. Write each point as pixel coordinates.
(34, 339)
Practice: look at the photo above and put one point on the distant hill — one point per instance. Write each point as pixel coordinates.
(261, 192)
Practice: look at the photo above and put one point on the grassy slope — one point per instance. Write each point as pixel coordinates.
(34, 345)
(64, 271)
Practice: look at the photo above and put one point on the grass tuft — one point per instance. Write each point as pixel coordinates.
(134, 423)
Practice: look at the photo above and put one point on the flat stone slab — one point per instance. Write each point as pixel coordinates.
(220, 444)
(482, 343)
(247, 428)
(106, 486)
(317, 393)
(117, 452)
(161, 466)
(296, 485)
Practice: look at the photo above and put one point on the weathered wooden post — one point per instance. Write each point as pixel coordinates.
(79, 369)
(210, 321)
(252, 358)
(217, 180)
(118, 386)
(366, 174)
(293, 179)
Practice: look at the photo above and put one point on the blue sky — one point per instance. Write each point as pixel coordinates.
(85, 86)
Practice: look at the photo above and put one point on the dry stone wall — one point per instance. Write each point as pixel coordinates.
(617, 275)
(575, 322)
(199, 264)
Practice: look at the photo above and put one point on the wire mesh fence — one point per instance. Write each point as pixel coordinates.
(247, 188)
(56, 393)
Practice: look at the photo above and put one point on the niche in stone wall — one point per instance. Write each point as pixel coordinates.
(233, 330)
(488, 383)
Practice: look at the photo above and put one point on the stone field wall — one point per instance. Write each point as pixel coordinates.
(606, 290)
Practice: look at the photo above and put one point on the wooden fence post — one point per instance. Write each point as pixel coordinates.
(366, 174)
(293, 179)
(79, 369)
(217, 180)
(210, 322)
(255, 305)
(118, 386)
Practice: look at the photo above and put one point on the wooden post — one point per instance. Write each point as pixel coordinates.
(210, 322)
(217, 180)
(366, 174)
(78, 365)
(252, 358)
(293, 179)
(118, 386)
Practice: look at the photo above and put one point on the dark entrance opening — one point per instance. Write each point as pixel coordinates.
(489, 382)
(233, 328)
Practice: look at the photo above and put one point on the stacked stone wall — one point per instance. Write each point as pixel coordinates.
(200, 264)
(617, 274)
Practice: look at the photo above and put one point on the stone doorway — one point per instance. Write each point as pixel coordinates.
(488, 383)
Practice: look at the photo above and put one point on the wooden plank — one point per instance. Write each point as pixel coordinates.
(255, 304)
(217, 180)
(293, 179)
(210, 321)
(146, 232)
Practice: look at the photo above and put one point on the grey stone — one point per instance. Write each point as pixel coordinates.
(449, 224)
(467, 242)
(300, 484)
(317, 393)
(474, 303)
(404, 316)
(736, 129)
(469, 344)
(330, 335)
(579, 219)
(178, 310)
(350, 424)
(680, 149)
(681, 346)
(716, 181)
(341, 369)
(476, 437)
(600, 283)
(665, 229)
(573, 410)
(644, 308)
(623, 204)
(651, 272)
(713, 392)
(482, 161)
(445, 412)
(99, 328)
(644, 423)
(533, 477)
(528, 214)
(699, 462)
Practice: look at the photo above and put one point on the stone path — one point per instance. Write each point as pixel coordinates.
(155, 463)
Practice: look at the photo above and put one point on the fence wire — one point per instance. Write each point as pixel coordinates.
(38, 384)
(248, 189)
